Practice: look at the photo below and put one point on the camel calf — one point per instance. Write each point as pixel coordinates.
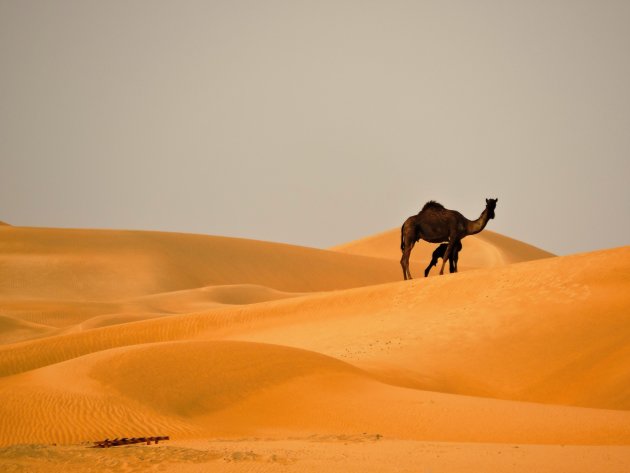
(439, 253)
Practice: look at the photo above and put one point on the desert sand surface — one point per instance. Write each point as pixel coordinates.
(257, 356)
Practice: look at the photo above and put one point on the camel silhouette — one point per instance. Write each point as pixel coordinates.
(439, 253)
(437, 224)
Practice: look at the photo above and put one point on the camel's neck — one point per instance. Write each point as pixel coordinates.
(475, 226)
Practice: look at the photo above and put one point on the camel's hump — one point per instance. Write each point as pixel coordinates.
(432, 204)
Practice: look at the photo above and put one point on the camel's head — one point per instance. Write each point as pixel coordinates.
(491, 204)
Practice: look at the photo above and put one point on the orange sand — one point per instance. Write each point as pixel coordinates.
(255, 356)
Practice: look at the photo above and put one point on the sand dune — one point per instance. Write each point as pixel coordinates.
(14, 330)
(108, 320)
(192, 300)
(64, 316)
(238, 388)
(179, 302)
(113, 333)
(523, 332)
(53, 312)
(484, 250)
(107, 265)
(539, 331)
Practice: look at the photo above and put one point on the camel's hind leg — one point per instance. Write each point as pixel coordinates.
(408, 238)
(404, 260)
(433, 262)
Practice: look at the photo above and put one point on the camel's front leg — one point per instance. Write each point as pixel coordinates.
(453, 260)
(447, 254)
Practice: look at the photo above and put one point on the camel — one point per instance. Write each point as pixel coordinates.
(437, 224)
(439, 253)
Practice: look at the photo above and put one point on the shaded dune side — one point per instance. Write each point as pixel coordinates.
(539, 331)
(350, 404)
(236, 388)
(55, 313)
(191, 300)
(14, 330)
(180, 302)
(195, 378)
(109, 320)
(484, 250)
(107, 265)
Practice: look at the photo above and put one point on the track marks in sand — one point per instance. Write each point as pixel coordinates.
(311, 456)
(127, 459)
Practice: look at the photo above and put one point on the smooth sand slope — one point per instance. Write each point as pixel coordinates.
(309, 359)
(105, 265)
(60, 278)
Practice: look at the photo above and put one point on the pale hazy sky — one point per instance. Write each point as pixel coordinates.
(317, 122)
